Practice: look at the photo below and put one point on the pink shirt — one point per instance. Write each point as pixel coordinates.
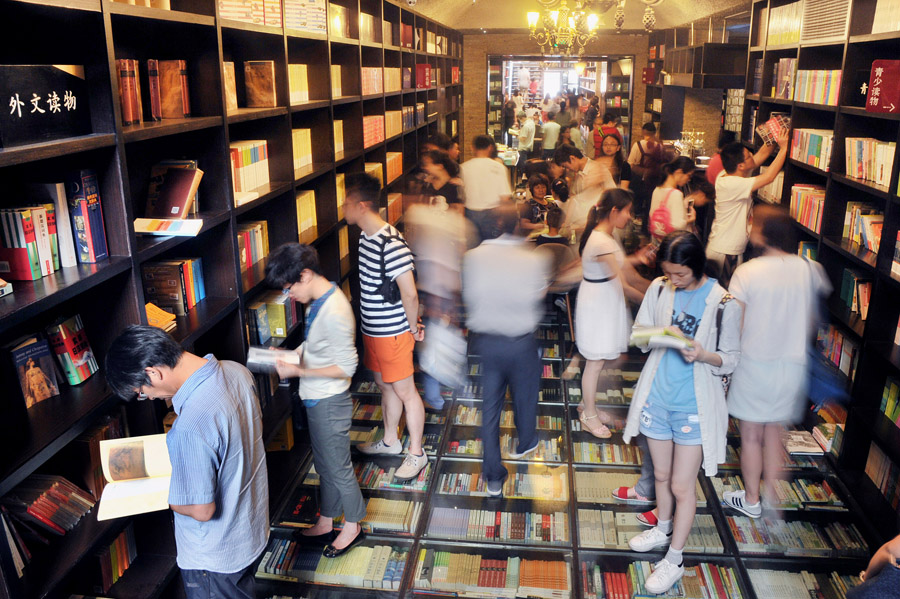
(714, 168)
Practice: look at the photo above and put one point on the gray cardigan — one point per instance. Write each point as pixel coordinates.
(331, 340)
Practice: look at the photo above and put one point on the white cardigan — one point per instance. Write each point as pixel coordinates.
(331, 340)
(656, 311)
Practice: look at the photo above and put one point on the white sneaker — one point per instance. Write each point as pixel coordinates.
(649, 540)
(494, 488)
(522, 454)
(737, 500)
(411, 466)
(380, 448)
(664, 576)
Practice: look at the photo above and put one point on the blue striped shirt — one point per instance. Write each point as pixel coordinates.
(217, 455)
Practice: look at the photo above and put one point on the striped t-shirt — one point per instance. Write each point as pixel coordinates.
(380, 319)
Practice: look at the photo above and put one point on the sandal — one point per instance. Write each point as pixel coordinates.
(603, 415)
(601, 432)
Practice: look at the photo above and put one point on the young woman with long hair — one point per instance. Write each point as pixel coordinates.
(611, 157)
(679, 400)
(601, 314)
(669, 210)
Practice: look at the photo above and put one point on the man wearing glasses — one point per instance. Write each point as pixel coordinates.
(219, 491)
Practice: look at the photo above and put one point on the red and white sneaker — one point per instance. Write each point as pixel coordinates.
(629, 495)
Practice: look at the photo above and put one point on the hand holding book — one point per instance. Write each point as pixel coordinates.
(657, 337)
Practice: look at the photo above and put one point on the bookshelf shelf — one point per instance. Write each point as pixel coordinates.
(851, 250)
(51, 149)
(806, 230)
(266, 193)
(150, 130)
(201, 318)
(251, 27)
(80, 5)
(875, 37)
(150, 246)
(344, 100)
(276, 413)
(780, 101)
(311, 172)
(310, 105)
(147, 577)
(143, 12)
(242, 115)
(810, 106)
(807, 167)
(253, 279)
(32, 298)
(866, 186)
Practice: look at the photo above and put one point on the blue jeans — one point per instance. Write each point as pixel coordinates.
(432, 388)
(203, 584)
(512, 361)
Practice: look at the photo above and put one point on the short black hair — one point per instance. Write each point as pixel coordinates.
(726, 137)
(443, 159)
(555, 217)
(565, 152)
(536, 166)
(366, 187)
(561, 189)
(288, 261)
(483, 142)
(609, 117)
(538, 179)
(649, 128)
(685, 249)
(732, 156)
(138, 347)
(440, 140)
(777, 227)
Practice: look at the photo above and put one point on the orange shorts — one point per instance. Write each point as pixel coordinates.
(392, 357)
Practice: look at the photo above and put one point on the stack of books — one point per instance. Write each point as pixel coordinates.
(699, 582)
(783, 78)
(372, 476)
(517, 527)
(271, 315)
(114, 559)
(301, 140)
(373, 130)
(394, 207)
(863, 224)
(394, 163)
(856, 291)
(885, 474)
(298, 83)
(393, 123)
(340, 194)
(869, 159)
(393, 79)
(781, 584)
(371, 80)
(253, 243)
(338, 126)
(840, 349)
(818, 87)
(550, 485)
(262, 12)
(606, 529)
(249, 169)
(391, 516)
(807, 202)
(813, 147)
(606, 453)
(378, 567)
(175, 285)
(784, 24)
(306, 215)
(772, 192)
(764, 536)
(469, 575)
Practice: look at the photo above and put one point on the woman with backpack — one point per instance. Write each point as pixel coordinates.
(669, 210)
(679, 400)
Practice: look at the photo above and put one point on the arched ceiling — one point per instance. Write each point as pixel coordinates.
(493, 15)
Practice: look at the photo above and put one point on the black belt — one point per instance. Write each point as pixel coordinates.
(607, 279)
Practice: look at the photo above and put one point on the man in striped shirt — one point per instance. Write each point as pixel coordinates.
(390, 330)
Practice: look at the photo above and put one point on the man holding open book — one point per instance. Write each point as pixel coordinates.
(219, 490)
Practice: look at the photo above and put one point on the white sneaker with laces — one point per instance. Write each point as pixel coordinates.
(664, 576)
(737, 500)
(380, 448)
(411, 466)
(650, 539)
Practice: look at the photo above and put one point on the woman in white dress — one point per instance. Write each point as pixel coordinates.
(601, 315)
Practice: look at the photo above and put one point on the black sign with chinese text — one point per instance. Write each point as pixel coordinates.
(41, 103)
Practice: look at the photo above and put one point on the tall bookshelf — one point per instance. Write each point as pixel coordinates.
(109, 295)
(848, 46)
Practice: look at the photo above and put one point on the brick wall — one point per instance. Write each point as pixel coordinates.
(703, 112)
(476, 48)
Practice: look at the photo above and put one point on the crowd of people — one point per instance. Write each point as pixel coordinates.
(476, 256)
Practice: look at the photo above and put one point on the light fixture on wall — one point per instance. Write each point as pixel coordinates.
(563, 30)
(648, 20)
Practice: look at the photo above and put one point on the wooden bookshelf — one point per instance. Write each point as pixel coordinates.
(109, 295)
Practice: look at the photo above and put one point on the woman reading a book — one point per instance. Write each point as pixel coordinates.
(601, 315)
(691, 327)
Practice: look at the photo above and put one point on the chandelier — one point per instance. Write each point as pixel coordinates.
(648, 20)
(563, 30)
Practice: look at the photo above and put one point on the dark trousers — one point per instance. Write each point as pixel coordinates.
(646, 485)
(485, 222)
(203, 584)
(512, 361)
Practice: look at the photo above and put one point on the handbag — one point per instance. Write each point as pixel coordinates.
(443, 353)
(661, 219)
(826, 382)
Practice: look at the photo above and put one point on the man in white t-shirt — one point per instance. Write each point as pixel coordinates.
(550, 134)
(591, 178)
(526, 137)
(486, 186)
(734, 198)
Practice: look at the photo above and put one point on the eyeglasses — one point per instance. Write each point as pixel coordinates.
(286, 291)
(140, 395)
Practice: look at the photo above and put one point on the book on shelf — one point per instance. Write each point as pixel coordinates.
(86, 212)
(856, 291)
(157, 317)
(699, 582)
(50, 502)
(128, 75)
(808, 249)
(33, 361)
(869, 159)
(336, 86)
(153, 93)
(497, 525)
(52, 197)
(260, 12)
(807, 205)
(813, 147)
(884, 474)
(376, 567)
(796, 538)
(168, 227)
(371, 80)
(883, 94)
(114, 559)
(253, 242)
(306, 15)
(840, 349)
(791, 495)
(263, 359)
(473, 575)
(771, 192)
(783, 78)
(756, 81)
(301, 140)
(230, 84)
(338, 128)
(656, 337)
(70, 344)
(784, 24)
(895, 262)
(890, 400)
(259, 83)
(298, 83)
(373, 130)
(249, 169)
(597, 487)
(137, 473)
(174, 96)
(548, 485)
(782, 584)
(307, 221)
(176, 285)
(26, 252)
(863, 224)
(372, 475)
(280, 316)
(6, 288)
(606, 529)
(771, 130)
(829, 436)
(173, 190)
(818, 87)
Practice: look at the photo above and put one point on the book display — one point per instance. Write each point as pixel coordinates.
(197, 137)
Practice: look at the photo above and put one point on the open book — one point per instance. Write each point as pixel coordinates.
(262, 359)
(138, 472)
(655, 337)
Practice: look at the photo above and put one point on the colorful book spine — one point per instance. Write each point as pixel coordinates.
(69, 342)
(86, 211)
(807, 202)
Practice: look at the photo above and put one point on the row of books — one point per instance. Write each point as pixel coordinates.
(890, 400)
(550, 485)
(813, 147)
(757, 77)
(393, 164)
(271, 316)
(597, 487)
(52, 503)
(699, 582)
(856, 291)
(249, 169)
(497, 525)
(842, 350)
(606, 529)
(869, 159)
(783, 78)
(373, 130)
(807, 205)
(261, 12)
(32, 357)
(782, 584)
(166, 86)
(378, 567)
(301, 142)
(466, 415)
(115, 558)
(885, 474)
(772, 192)
(796, 494)
(764, 536)
(253, 242)
(610, 397)
(784, 24)
(371, 475)
(175, 285)
(606, 453)
(818, 87)
(307, 221)
(472, 575)
(887, 16)
(863, 224)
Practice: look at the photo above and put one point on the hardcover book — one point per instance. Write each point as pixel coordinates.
(86, 212)
(73, 350)
(231, 102)
(259, 83)
(173, 89)
(175, 194)
(33, 361)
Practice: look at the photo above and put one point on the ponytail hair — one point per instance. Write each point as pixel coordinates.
(612, 199)
(682, 163)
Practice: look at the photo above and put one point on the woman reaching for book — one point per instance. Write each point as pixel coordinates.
(679, 399)
(601, 315)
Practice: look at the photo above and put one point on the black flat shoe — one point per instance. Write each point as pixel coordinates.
(330, 550)
(322, 539)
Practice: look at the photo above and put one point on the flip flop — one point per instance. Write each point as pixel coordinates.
(601, 432)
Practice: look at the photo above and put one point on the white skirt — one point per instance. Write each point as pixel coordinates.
(768, 391)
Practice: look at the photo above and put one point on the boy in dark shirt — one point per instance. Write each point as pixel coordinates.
(555, 218)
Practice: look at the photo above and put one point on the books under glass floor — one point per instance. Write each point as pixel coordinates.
(557, 532)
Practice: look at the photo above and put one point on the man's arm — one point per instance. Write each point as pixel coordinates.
(201, 513)
(771, 172)
(410, 299)
(762, 155)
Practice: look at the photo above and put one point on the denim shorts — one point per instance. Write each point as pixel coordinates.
(663, 425)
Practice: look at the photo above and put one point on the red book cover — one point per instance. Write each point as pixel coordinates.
(187, 278)
(717, 580)
(126, 81)
(153, 87)
(185, 94)
(248, 260)
(495, 534)
(176, 193)
(73, 351)
(42, 517)
(135, 70)
(423, 76)
(545, 527)
(884, 87)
